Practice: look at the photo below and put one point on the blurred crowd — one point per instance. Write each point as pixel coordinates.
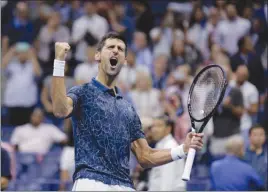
(168, 43)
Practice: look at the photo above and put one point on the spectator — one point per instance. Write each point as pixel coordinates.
(164, 178)
(46, 96)
(173, 107)
(144, 17)
(256, 153)
(67, 164)
(146, 99)
(75, 12)
(143, 53)
(228, 38)
(36, 136)
(246, 56)
(63, 9)
(197, 33)
(52, 32)
(84, 72)
(228, 115)
(159, 74)
(129, 72)
(220, 5)
(250, 97)
(182, 53)
(44, 12)
(5, 169)
(83, 34)
(120, 22)
(19, 29)
(22, 72)
(162, 35)
(258, 35)
(233, 174)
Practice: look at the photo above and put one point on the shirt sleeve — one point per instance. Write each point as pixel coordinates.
(5, 164)
(74, 94)
(15, 137)
(135, 128)
(56, 134)
(255, 181)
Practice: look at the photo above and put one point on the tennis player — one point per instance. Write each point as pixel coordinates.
(106, 126)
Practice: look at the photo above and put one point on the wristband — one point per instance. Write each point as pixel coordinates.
(58, 69)
(177, 153)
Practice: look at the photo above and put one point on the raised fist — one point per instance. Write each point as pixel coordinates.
(61, 50)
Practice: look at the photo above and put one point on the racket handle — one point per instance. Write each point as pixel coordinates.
(188, 165)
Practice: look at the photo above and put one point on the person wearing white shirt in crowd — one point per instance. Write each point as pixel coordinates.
(250, 97)
(229, 31)
(84, 72)
(36, 136)
(166, 177)
(22, 71)
(88, 29)
(128, 73)
(146, 99)
(140, 47)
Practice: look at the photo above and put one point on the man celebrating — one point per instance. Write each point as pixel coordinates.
(105, 125)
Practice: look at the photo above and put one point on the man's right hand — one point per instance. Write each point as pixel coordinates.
(61, 50)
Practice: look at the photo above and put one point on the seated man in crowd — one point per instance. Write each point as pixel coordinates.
(166, 177)
(36, 137)
(232, 173)
(256, 153)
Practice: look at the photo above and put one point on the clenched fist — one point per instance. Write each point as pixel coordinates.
(61, 50)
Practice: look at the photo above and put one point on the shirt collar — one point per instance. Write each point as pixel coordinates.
(103, 88)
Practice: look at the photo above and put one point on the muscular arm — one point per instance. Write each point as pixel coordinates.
(149, 157)
(62, 105)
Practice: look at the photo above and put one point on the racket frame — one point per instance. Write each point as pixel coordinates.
(205, 119)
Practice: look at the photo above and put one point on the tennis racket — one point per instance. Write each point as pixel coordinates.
(205, 95)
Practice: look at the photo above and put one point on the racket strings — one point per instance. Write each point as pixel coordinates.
(206, 92)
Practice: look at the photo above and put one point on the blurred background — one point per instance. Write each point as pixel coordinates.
(168, 43)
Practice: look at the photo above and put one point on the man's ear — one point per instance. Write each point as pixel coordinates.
(97, 56)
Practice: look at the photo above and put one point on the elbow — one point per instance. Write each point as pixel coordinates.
(145, 160)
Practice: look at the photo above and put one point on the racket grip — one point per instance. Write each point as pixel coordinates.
(188, 165)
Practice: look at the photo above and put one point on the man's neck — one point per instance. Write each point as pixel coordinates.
(258, 150)
(108, 81)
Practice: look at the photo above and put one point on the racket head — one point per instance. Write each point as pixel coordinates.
(215, 77)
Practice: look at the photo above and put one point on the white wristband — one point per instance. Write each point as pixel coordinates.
(177, 153)
(58, 69)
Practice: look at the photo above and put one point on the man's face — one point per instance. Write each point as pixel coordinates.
(37, 117)
(231, 11)
(112, 56)
(241, 75)
(159, 129)
(257, 137)
(248, 44)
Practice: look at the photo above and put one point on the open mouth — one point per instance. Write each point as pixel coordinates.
(113, 61)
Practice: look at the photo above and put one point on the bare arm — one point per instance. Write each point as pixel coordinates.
(36, 66)
(7, 57)
(5, 45)
(45, 101)
(253, 109)
(149, 157)
(62, 105)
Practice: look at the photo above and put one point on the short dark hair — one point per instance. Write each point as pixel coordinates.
(110, 35)
(168, 122)
(255, 126)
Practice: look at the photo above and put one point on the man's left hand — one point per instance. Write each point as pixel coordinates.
(193, 140)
